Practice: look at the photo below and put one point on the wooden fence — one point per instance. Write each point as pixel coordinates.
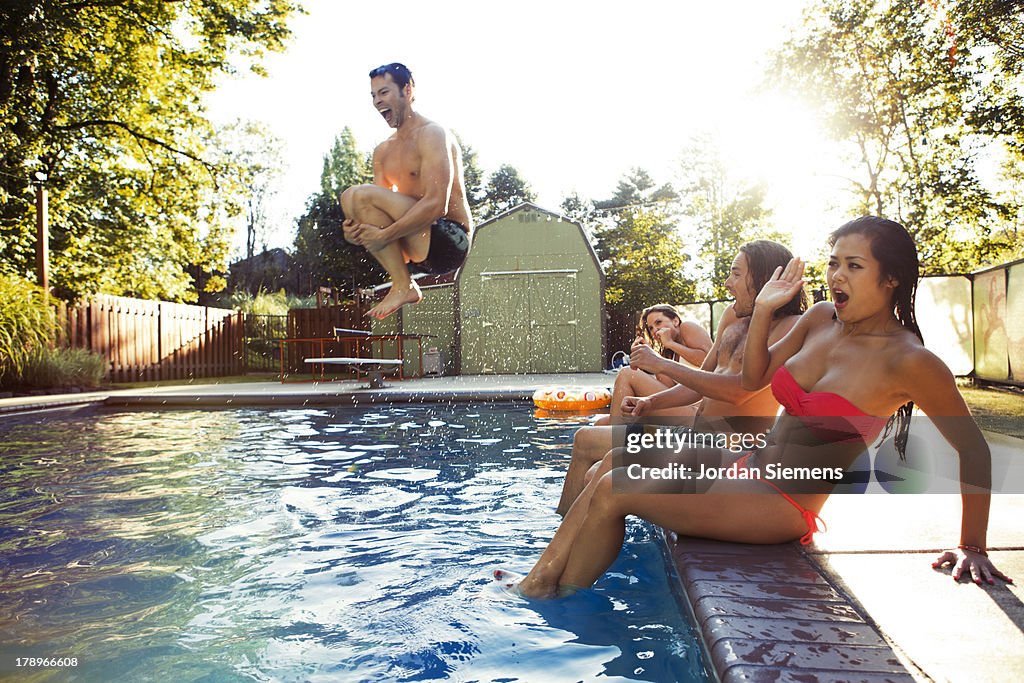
(156, 340)
(320, 323)
(311, 323)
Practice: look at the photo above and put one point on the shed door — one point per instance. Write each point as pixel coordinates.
(529, 322)
(505, 326)
(553, 322)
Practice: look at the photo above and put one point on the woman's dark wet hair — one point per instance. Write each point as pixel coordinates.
(400, 74)
(667, 310)
(894, 249)
(763, 257)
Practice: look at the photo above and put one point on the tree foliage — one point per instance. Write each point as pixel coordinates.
(636, 238)
(995, 23)
(321, 251)
(576, 208)
(106, 99)
(637, 189)
(344, 166)
(727, 212)
(505, 190)
(250, 157)
(918, 118)
(644, 261)
(472, 178)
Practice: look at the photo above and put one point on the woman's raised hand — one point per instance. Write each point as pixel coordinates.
(782, 285)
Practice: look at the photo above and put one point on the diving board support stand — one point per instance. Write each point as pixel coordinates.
(373, 367)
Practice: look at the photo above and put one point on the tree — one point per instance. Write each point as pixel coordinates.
(344, 166)
(106, 99)
(644, 263)
(917, 116)
(472, 178)
(321, 252)
(251, 160)
(506, 189)
(637, 189)
(636, 238)
(727, 211)
(996, 23)
(576, 208)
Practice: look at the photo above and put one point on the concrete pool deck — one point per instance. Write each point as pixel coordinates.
(861, 603)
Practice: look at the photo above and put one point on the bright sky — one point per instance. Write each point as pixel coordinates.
(572, 94)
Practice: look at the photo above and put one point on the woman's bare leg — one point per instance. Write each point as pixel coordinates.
(542, 581)
(589, 445)
(743, 515)
(631, 382)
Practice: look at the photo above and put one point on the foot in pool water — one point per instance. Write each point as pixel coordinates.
(517, 584)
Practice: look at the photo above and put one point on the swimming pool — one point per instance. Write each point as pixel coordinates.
(306, 545)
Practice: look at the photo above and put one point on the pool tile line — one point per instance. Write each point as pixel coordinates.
(11, 406)
(770, 613)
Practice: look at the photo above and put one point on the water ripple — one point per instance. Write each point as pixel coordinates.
(310, 544)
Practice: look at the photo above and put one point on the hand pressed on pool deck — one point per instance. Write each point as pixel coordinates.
(865, 348)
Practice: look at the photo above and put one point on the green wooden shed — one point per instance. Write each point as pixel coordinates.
(530, 297)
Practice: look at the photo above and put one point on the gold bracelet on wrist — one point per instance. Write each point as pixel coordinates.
(973, 549)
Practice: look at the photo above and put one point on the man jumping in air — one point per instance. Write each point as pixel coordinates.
(415, 216)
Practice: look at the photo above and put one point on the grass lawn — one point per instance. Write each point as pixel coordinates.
(996, 410)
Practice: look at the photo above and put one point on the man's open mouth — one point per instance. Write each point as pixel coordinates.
(386, 113)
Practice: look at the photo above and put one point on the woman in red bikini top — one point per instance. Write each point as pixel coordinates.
(846, 371)
(862, 356)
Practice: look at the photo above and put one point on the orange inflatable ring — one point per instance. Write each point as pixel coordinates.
(571, 398)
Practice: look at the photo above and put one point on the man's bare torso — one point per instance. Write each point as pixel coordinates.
(730, 362)
(400, 163)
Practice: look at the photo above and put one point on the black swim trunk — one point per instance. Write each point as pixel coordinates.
(449, 244)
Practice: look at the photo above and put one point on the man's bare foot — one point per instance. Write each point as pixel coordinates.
(395, 299)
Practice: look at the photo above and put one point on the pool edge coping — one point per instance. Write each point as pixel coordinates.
(746, 634)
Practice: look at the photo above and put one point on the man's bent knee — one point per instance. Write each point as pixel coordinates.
(356, 198)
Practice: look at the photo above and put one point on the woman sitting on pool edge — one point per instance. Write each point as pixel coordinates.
(862, 356)
(666, 332)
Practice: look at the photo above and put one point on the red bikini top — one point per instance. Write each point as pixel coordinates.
(824, 404)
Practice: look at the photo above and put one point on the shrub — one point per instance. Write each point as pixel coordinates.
(47, 368)
(27, 324)
(265, 303)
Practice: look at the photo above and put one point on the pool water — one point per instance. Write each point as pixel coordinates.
(310, 545)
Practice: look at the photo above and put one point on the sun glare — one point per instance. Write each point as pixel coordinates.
(777, 140)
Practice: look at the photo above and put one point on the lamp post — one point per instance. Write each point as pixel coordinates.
(42, 233)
